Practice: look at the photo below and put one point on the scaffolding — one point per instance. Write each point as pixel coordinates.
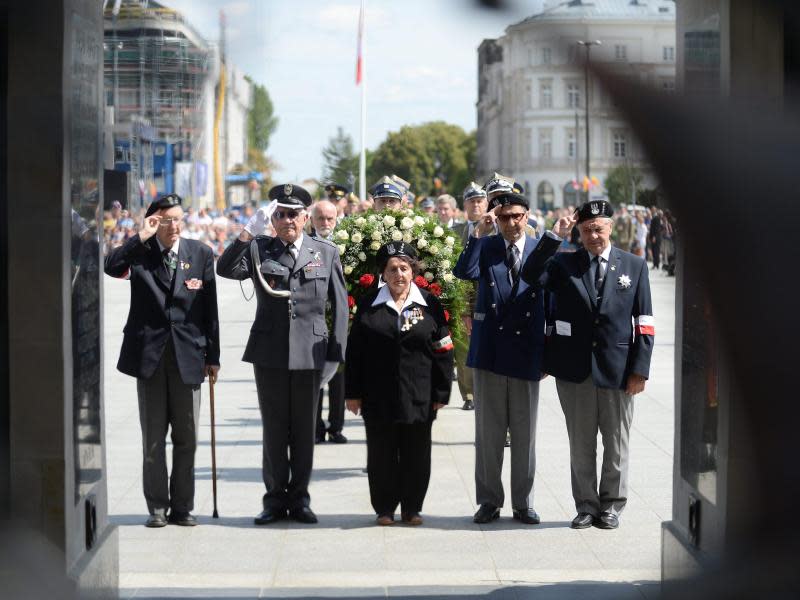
(156, 68)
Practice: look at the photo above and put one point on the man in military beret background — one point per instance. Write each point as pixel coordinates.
(599, 351)
(298, 278)
(505, 353)
(387, 194)
(170, 344)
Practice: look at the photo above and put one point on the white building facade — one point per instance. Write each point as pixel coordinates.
(532, 87)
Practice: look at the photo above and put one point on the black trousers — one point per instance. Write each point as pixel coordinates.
(166, 402)
(398, 466)
(655, 246)
(335, 406)
(288, 403)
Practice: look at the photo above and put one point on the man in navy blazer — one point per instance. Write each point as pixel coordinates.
(505, 353)
(170, 344)
(599, 344)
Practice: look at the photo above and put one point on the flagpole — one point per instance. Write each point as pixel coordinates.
(362, 162)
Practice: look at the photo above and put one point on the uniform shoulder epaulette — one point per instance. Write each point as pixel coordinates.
(323, 241)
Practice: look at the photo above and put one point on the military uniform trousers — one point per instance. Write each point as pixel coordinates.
(588, 408)
(505, 404)
(335, 406)
(398, 465)
(288, 403)
(166, 402)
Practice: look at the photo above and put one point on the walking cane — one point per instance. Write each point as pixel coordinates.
(211, 380)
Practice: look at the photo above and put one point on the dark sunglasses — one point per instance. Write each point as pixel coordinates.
(512, 217)
(286, 214)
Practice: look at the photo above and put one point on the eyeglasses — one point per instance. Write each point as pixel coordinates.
(515, 217)
(168, 221)
(287, 214)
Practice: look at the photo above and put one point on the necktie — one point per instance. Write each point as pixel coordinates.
(599, 275)
(169, 262)
(512, 260)
(291, 250)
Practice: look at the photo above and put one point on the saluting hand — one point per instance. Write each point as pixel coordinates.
(149, 227)
(564, 225)
(486, 226)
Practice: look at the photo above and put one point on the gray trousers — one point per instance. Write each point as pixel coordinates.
(165, 401)
(587, 409)
(505, 404)
(288, 403)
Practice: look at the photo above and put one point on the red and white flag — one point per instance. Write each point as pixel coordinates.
(359, 56)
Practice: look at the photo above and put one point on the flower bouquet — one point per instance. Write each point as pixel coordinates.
(360, 236)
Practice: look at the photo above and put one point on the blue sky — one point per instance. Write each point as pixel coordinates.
(421, 64)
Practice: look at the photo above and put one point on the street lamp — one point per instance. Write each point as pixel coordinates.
(588, 45)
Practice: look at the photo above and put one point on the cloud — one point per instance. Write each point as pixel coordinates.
(238, 8)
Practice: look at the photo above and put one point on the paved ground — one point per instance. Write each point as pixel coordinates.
(345, 555)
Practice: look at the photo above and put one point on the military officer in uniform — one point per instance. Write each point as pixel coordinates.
(475, 206)
(170, 344)
(598, 349)
(505, 353)
(289, 342)
(387, 194)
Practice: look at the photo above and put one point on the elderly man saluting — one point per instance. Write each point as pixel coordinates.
(296, 276)
(505, 353)
(599, 351)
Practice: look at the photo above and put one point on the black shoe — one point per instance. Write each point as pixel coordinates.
(527, 516)
(486, 514)
(582, 521)
(303, 515)
(468, 405)
(607, 520)
(336, 437)
(158, 519)
(269, 515)
(320, 439)
(184, 519)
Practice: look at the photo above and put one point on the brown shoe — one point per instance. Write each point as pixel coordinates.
(413, 520)
(385, 520)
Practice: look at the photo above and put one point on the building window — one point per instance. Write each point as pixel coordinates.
(572, 144)
(547, 55)
(620, 145)
(528, 95)
(669, 53)
(620, 52)
(545, 144)
(570, 194)
(545, 196)
(545, 94)
(572, 54)
(573, 95)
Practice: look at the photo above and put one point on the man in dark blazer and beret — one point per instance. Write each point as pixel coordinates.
(599, 344)
(296, 277)
(505, 353)
(170, 344)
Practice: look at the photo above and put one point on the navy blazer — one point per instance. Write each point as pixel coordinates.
(184, 310)
(508, 323)
(609, 340)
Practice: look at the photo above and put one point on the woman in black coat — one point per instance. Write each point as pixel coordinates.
(398, 373)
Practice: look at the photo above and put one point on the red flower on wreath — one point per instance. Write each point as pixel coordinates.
(420, 281)
(351, 302)
(447, 315)
(366, 280)
(436, 289)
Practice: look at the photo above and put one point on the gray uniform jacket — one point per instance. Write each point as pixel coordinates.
(293, 334)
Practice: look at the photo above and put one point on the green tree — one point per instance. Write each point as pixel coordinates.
(340, 160)
(621, 183)
(261, 121)
(421, 154)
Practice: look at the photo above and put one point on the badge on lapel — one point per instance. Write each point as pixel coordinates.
(185, 265)
(624, 281)
(194, 284)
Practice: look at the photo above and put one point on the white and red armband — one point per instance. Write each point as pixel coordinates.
(443, 345)
(645, 325)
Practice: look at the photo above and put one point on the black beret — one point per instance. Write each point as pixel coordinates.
(290, 196)
(167, 201)
(391, 250)
(508, 199)
(336, 190)
(594, 209)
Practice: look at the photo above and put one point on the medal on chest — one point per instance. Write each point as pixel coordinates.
(411, 318)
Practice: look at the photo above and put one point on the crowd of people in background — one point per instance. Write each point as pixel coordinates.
(644, 231)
